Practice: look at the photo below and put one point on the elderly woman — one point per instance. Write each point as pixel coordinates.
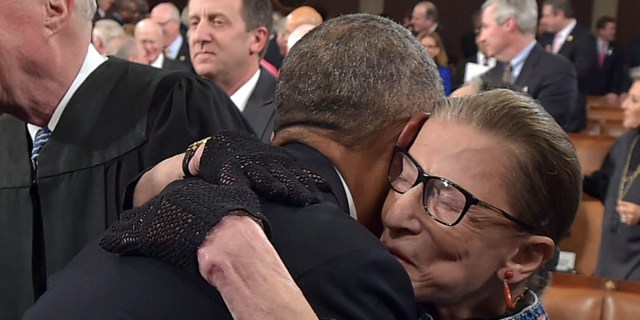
(478, 204)
(616, 185)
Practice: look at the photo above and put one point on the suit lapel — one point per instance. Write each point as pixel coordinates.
(260, 108)
(529, 65)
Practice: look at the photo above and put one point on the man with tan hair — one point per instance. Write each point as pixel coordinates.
(174, 42)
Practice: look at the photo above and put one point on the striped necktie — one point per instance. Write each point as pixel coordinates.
(41, 138)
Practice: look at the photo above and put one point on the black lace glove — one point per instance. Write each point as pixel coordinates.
(172, 225)
(235, 158)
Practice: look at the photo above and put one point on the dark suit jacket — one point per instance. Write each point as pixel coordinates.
(183, 55)
(343, 270)
(123, 119)
(580, 49)
(174, 65)
(609, 77)
(260, 110)
(548, 78)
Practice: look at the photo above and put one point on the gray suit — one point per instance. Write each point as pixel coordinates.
(260, 111)
(550, 79)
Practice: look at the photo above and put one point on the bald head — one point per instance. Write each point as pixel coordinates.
(304, 15)
(148, 35)
(166, 14)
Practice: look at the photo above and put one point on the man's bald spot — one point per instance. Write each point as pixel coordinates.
(150, 26)
(302, 15)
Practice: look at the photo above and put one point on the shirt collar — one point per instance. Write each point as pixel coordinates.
(91, 62)
(352, 206)
(518, 61)
(174, 47)
(241, 96)
(158, 62)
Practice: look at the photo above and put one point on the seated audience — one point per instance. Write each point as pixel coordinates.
(616, 184)
(433, 44)
(103, 31)
(148, 35)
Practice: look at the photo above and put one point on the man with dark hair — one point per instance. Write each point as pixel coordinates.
(78, 127)
(609, 79)
(340, 122)
(565, 36)
(228, 38)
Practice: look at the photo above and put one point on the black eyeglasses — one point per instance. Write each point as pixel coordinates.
(444, 201)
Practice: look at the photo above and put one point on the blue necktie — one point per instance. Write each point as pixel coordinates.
(41, 138)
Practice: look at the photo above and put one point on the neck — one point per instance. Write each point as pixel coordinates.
(518, 43)
(364, 168)
(238, 78)
(488, 304)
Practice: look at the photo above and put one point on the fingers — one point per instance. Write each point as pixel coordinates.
(629, 212)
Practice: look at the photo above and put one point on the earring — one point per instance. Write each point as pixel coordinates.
(508, 301)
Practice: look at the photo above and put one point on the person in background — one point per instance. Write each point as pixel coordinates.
(433, 44)
(299, 16)
(174, 42)
(125, 47)
(617, 185)
(103, 31)
(610, 77)
(148, 35)
(104, 9)
(566, 37)
(508, 32)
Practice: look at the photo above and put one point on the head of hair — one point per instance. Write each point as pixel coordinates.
(431, 12)
(544, 180)
(441, 59)
(525, 13)
(560, 5)
(340, 78)
(601, 23)
(128, 48)
(107, 29)
(257, 13)
(86, 8)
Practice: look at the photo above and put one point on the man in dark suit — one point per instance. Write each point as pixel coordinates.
(109, 121)
(576, 42)
(345, 131)
(549, 78)
(230, 57)
(425, 17)
(174, 42)
(148, 35)
(609, 80)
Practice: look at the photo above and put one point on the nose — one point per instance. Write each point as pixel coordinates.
(198, 34)
(400, 212)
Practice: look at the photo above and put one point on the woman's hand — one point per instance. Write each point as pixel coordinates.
(629, 212)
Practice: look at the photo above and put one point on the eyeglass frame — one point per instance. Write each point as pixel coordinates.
(470, 199)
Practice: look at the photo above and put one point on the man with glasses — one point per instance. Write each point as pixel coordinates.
(174, 41)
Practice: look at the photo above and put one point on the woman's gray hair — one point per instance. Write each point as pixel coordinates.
(525, 12)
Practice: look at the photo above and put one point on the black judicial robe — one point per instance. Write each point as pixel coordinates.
(123, 119)
(620, 245)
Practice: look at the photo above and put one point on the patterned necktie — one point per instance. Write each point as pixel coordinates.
(506, 76)
(41, 138)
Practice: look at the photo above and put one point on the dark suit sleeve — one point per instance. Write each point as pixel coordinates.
(371, 286)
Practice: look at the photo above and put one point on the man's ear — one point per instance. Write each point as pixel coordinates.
(410, 130)
(533, 253)
(58, 12)
(259, 40)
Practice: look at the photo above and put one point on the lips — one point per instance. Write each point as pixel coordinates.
(401, 257)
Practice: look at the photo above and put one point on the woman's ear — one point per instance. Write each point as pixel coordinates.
(531, 255)
(58, 13)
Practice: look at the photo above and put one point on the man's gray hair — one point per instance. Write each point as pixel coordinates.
(525, 12)
(107, 29)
